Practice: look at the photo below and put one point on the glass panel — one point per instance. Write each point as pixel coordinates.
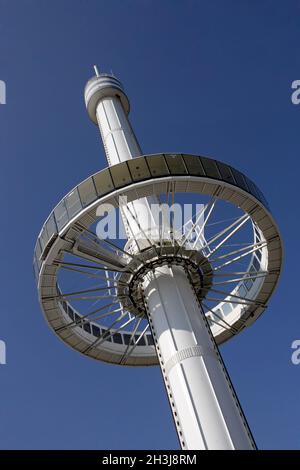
(51, 226)
(78, 318)
(225, 172)
(248, 284)
(138, 169)
(96, 331)
(103, 182)
(43, 238)
(61, 215)
(105, 333)
(141, 342)
(120, 175)
(193, 165)
(210, 167)
(157, 165)
(252, 187)
(240, 180)
(126, 338)
(87, 192)
(87, 327)
(71, 312)
(258, 254)
(150, 340)
(226, 309)
(38, 250)
(117, 338)
(175, 164)
(36, 268)
(241, 291)
(256, 264)
(73, 203)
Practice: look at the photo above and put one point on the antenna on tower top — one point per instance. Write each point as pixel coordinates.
(96, 70)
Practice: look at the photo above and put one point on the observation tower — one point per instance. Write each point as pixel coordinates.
(177, 287)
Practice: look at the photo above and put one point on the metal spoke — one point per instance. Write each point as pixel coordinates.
(130, 339)
(93, 297)
(110, 263)
(257, 247)
(211, 208)
(230, 281)
(234, 330)
(228, 294)
(76, 322)
(209, 205)
(238, 273)
(67, 263)
(138, 340)
(97, 276)
(227, 229)
(233, 231)
(213, 299)
(236, 259)
(71, 294)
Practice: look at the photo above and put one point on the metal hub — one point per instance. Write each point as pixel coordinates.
(196, 265)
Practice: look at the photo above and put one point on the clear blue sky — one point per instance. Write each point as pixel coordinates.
(206, 77)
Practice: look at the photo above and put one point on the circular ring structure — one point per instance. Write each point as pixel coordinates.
(128, 340)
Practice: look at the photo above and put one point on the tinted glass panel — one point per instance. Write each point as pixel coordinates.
(51, 226)
(70, 312)
(225, 173)
(240, 180)
(78, 319)
(175, 164)
(138, 168)
(87, 192)
(103, 182)
(226, 309)
(44, 238)
(117, 338)
(242, 291)
(96, 331)
(120, 175)
(126, 338)
(106, 335)
(210, 167)
(150, 340)
(157, 165)
(87, 327)
(61, 215)
(38, 250)
(73, 203)
(141, 341)
(36, 268)
(193, 165)
(256, 263)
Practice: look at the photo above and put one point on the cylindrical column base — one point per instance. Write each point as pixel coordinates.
(204, 405)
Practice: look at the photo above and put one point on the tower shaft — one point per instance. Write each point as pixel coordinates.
(204, 405)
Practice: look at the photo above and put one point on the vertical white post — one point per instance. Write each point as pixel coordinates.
(204, 405)
(109, 110)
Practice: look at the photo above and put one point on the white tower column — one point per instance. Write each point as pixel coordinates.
(204, 405)
(108, 106)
